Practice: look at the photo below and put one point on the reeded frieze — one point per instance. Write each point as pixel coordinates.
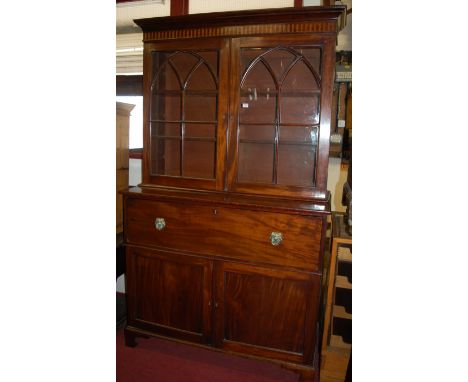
(242, 30)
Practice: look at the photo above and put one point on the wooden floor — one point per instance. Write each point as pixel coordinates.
(334, 367)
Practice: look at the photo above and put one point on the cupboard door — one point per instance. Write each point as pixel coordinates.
(279, 120)
(185, 113)
(266, 312)
(169, 294)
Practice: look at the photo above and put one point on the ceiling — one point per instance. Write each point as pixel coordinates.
(127, 12)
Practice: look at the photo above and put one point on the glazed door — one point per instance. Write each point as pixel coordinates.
(185, 113)
(280, 115)
(169, 294)
(266, 312)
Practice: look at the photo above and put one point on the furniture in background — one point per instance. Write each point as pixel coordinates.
(122, 136)
(225, 236)
(122, 139)
(338, 309)
(341, 128)
(121, 310)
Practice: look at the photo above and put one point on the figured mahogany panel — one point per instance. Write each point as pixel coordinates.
(169, 293)
(266, 312)
(227, 233)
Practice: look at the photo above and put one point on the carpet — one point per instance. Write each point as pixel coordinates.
(159, 360)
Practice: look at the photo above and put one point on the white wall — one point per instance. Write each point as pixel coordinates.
(345, 36)
(125, 12)
(134, 173)
(206, 6)
(307, 3)
(121, 284)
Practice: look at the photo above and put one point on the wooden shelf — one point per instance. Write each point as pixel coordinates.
(342, 282)
(337, 342)
(344, 254)
(339, 311)
(272, 142)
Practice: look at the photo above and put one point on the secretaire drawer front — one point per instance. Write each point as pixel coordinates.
(246, 235)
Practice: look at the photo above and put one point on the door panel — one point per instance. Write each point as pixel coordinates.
(169, 294)
(266, 312)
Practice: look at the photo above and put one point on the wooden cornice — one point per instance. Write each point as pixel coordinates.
(262, 21)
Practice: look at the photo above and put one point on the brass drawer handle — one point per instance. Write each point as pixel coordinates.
(159, 223)
(276, 238)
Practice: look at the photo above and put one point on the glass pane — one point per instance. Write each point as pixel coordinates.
(258, 90)
(296, 165)
(279, 60)
(257, 107)
(199, 159)
(300, 109)
(200, 130)
(255, 163)
(202, 79)
(257, 132)
(165, 156)
(165, 107)
(183, 62)
(166, 76)
(248, 55)
(165, 129)
(211, 58)
(258, 77)
(313, 56)
(307, 134)
(300, 77)
(200, 108)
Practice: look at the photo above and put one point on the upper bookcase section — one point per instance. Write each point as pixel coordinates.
(245, 23)
(240, 101)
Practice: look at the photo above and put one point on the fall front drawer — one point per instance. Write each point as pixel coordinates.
(256, 236)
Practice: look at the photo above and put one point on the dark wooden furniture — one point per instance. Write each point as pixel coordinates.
(225, 235)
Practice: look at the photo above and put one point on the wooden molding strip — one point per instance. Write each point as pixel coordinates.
(244, 30)
(135, 153)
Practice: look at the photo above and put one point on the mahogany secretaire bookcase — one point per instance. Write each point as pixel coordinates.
(224, 236)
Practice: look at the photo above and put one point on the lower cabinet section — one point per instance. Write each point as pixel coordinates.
(243, 279)
(259, 311)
